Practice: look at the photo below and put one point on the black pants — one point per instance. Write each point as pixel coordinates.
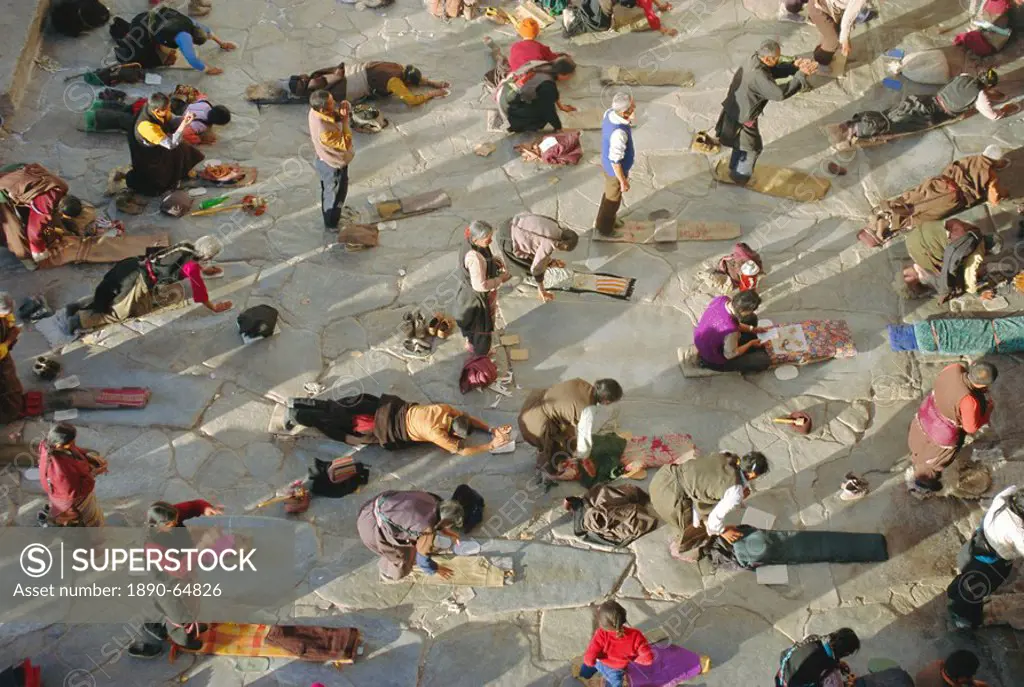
(977, 579)
(333, 189)
(754, 360)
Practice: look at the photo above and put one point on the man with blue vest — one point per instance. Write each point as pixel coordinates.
(616, 159)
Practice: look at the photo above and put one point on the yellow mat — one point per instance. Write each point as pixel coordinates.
(469, 571)
(584, 119)
(671, 230)
(781, 182)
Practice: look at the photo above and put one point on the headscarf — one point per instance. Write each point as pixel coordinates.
(528, 28)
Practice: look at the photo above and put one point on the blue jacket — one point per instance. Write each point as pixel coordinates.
(607, 128)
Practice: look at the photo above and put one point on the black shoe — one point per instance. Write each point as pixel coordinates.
(145, 650)
(193, 644)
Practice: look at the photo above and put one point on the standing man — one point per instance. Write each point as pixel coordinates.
(986, 561)
(751, 89)
(834, 20)
(711, 486)
(958, 405)
(332, 142)
(12, 396)
(68, 476)
(616, 159)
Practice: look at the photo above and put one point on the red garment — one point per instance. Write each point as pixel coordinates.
(652, 19)
(974, 42)
(191, 509)
(971, 417)
(194, 272)
(525, 51)
(363, 424)
(618, 652)
(40, 215)
(66, 477)
(138, 105)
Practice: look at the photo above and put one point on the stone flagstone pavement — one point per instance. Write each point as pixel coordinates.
(204, 433)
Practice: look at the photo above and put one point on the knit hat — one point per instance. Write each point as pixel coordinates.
(982, 374)
(993, 152)
(176, 203)
(528, 28)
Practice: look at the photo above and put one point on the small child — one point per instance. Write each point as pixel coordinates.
(614, 646)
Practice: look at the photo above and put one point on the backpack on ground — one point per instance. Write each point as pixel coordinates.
(257, 322)
(472, 506)
(614, 515)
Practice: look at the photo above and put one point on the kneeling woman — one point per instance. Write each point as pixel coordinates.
(400, 527)
(726, 336)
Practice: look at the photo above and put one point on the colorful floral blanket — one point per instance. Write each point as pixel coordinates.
(810, 341)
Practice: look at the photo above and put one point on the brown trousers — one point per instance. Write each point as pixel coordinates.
(138, 301)
(931, 200)
(828, 27)
(611, 199)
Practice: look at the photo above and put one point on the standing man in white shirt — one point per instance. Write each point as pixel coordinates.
(986, 561)
(834, 20)
(617, 157)
(710, 487)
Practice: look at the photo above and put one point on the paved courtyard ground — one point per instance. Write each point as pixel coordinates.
(204, 433)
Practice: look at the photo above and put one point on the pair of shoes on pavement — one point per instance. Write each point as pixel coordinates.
(853, 488)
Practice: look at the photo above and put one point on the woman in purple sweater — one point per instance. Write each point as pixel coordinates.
(726, 336)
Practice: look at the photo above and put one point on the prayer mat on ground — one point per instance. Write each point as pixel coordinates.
(960, 336)
(672, 665)
(810, 341)
(646, 77)
(670, 230)
(361, 235)
(689, 363)
(209, 177)
(468, 571)
(566, 279)
(655, 451)
(840, 141)
(781, 182)
(53, 331)
(400, 208)
(102, 249)
(97, 398)
(233, 639)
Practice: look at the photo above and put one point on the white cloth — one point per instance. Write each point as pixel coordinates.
(731, 500)
(584, 432)
(357, 81)
(618, 140)
(1003, 529)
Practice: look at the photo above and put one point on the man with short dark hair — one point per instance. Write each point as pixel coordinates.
(332, 143)
(551, 417)
(708, 487)
(726, 335)
(752, 88)
(958, 670)
(959, 404)
(986, 561)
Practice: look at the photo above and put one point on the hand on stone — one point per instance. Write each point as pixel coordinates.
(214, 71)
(445, 572)
(806, 65)
(222, 306)
(228, 45)
(213, 510)
(731, 535)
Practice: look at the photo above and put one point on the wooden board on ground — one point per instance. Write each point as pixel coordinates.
(527, 9)
(781, 182)
(510, 340)
(839, 141)
(411, 206)
(670, 231)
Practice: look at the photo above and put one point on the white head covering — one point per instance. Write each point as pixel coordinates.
(993, 152)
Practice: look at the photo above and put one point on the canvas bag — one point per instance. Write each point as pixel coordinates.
(617, 514)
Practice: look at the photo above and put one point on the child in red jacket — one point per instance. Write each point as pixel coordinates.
(614, 646)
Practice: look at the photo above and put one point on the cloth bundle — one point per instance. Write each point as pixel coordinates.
(479, 371)
(559, 148)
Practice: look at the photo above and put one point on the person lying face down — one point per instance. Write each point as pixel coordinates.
(356, 81)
